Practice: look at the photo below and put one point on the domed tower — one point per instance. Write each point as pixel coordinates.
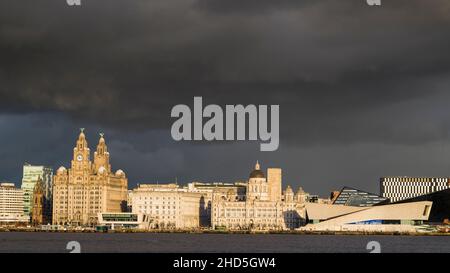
(300, 196)
(120, 173)
(257, 187)
(61, 171)
(288, 194)
(101, 157)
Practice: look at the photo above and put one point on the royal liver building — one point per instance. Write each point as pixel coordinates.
(87, 188)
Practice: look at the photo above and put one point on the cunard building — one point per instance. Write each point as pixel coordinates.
(88, 187)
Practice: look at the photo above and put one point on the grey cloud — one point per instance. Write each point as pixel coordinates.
(343, 73)
(126, 65)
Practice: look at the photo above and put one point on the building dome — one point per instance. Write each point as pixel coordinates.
(289, 189)
(120, 173)
(101, 170)
(257, 173)
(61, 170)
(300, 191)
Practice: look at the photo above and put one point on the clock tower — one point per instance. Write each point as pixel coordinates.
(88, 187)
(81, 163)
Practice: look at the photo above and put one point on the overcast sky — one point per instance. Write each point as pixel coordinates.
(364, 91)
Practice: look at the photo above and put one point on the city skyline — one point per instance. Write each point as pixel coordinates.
(91, 195)
(323, 192)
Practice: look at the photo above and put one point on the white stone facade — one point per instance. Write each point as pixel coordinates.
(168, 206)
(265, 207)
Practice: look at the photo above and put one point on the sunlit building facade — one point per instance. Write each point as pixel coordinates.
(88, 187)
(405, 217)
(265, 207)
(11, 205)
(168, 206)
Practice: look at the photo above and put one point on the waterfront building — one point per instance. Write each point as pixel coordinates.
(216, 190)
(258, 203)
(88, 187)
(265, 207)
(168, 206)
(402, 187)
(406, 217)
(31, 174)
(193, 202)
(12, 205)
(357, 198)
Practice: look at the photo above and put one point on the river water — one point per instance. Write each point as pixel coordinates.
(217, 243)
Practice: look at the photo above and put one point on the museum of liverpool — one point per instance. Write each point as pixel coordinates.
(359, 211)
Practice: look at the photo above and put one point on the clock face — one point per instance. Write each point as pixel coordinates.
(79, 157)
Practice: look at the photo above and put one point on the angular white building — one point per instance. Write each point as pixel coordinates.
(406, 217)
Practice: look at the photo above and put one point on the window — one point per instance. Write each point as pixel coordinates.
(426, 210)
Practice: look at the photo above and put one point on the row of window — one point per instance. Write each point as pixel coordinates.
(157, 198)
(157, 212)
(414, 179)
(156, 207)
(150, 203)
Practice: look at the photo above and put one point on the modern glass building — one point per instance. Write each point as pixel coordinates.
(31, 174)
(358, 198)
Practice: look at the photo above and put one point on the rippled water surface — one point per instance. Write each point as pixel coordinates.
(241, 243)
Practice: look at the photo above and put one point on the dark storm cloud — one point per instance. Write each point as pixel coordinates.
(344, 74)
(128, 64)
